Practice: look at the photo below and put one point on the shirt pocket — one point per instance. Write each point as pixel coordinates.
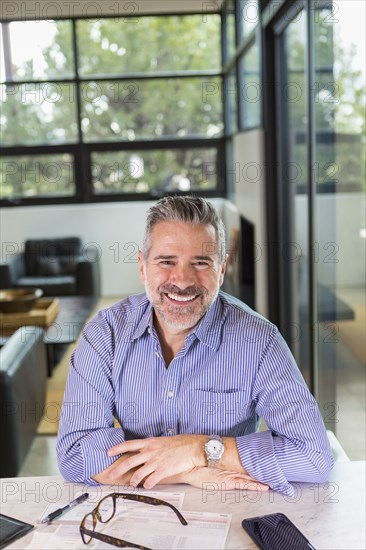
(222, 413)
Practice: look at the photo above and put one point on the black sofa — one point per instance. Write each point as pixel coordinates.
(60, 267)
(23, 375)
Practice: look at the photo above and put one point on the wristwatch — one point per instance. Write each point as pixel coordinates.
(214, 449)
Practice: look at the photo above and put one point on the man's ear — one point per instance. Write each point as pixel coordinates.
(223, 269)
(140, 260)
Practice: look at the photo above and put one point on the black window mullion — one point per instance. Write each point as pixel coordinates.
(82, 159)
(76, 73)
(82, 152)
(311, 141)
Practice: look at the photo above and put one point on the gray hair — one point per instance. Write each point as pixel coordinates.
(186, 209)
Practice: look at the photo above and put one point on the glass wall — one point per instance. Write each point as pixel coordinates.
(319, 144)
(251, 91)
(292, 174)
(339, 248)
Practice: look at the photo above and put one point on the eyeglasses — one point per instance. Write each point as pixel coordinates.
(104, 512)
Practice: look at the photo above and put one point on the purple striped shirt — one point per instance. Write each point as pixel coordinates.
(234, 368)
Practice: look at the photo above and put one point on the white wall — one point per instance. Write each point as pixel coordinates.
(116, 228)
(249, 185)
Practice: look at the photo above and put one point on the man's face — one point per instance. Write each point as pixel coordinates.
(182, 273)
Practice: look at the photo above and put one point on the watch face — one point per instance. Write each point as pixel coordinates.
(214, 448)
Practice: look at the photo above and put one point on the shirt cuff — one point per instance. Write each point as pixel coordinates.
(258, 457)
(94, 448)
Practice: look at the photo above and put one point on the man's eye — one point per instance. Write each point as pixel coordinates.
(201, 264)
(166, 262)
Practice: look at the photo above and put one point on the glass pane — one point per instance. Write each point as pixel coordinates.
(293, 177)
(37, 176)
(159, 170)
(38, 50)
(230, 32)
(339, 250)
(106, 509)
(248, 17)
(250, 88)
(2, 59)
(38, 113)
(150, 109)
(149, 44)
(230, 95)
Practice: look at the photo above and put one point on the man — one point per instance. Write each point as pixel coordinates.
(187, 371)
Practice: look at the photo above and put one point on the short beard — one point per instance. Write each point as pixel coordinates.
(193, 316)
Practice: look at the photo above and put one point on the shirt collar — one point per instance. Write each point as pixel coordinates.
(208, 330)
(145, 322)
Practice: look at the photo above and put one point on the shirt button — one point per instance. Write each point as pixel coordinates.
(170, 431)
(157, 354)
(170, 393)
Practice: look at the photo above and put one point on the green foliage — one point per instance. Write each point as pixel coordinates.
(338, 94)
(174, 107)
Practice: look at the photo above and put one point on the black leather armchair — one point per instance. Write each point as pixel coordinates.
(23, 375)
(58, 266)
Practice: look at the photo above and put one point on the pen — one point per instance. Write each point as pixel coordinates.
(60, 511)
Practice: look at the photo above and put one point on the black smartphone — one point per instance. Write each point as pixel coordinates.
(12, 529)
(276, 532)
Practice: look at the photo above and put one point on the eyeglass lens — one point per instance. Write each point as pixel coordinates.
(106, 508)
(89, 525)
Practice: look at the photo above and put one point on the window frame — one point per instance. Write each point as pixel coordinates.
(82, 150)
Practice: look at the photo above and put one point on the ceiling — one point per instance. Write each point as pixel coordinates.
(43, 9)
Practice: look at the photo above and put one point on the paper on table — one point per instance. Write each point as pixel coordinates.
(154, 529)
(78, 512)
(162, 529)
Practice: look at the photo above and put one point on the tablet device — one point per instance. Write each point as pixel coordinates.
(276, 532)
(12, 529)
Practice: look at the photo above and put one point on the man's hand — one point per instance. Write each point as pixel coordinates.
(157, 458)
(108, 476)
(152, 461)
(224, 479)
(178, 459)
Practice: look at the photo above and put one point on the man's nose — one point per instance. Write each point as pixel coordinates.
(183, 276)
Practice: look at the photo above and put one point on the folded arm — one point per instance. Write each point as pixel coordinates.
(86, 428)
(176, 459)
(295, 447)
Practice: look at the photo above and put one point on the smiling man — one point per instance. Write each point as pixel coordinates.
(187, 371)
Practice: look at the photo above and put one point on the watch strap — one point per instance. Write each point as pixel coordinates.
(212, 462)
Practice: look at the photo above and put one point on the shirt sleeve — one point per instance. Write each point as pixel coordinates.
(295, 447)
(86, 430)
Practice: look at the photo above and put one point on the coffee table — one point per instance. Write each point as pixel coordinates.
(65, 329)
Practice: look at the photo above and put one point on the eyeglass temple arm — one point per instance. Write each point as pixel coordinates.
(177, 512)
(112, 540)
(155, 502)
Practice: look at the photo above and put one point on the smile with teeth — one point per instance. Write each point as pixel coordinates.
(178, 298)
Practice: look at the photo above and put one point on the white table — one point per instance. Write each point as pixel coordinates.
(331, 515)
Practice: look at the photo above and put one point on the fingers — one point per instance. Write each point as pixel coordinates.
(127, 446)
(128, 464)
(106, 476)
(143, 475)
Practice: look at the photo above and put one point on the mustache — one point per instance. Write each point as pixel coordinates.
(188, 291)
